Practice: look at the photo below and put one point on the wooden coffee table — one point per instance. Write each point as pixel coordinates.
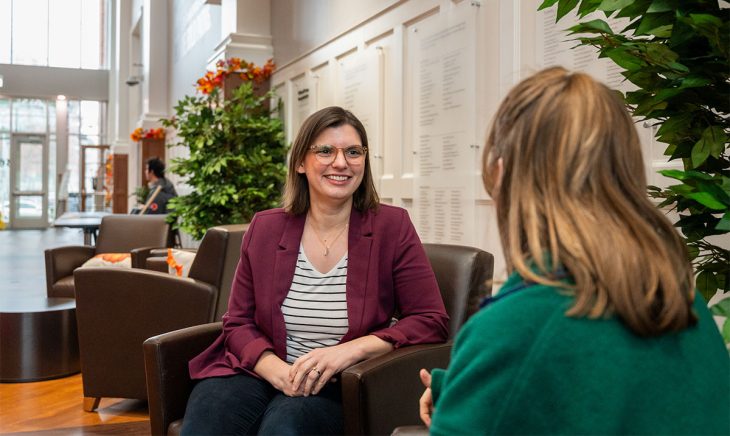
(39, 339)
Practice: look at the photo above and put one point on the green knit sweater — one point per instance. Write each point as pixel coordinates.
(520, 366)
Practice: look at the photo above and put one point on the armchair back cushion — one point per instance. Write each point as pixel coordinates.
(216, 261)
(123, 233)
(464, 275)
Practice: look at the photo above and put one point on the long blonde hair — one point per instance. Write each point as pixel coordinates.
(573, 196)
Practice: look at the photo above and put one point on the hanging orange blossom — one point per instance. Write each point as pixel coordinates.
(248, 71)
(139, 134)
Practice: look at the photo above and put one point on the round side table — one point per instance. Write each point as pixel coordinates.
(38, 338)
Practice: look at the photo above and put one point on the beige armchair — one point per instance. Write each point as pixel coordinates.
(117, 309)
(378, 395)
(135, 234)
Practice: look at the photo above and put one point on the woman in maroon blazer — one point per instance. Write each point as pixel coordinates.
(316, 290)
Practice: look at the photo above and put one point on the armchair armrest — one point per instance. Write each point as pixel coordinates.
(62, 261)
(140, 255)
(166, 359)
(157, 264)
(371, 405)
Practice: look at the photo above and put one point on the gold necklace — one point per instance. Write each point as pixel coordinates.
(324, 241)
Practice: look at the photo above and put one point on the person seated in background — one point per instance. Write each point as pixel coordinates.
(316, 290)
(598, 328)
(161, 189)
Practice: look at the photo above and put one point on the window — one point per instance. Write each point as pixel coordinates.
(30, 115)
(85, 127)
(54, 33)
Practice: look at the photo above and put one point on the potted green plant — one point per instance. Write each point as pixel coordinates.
(237, 154)
(677, 54)
(141, 193)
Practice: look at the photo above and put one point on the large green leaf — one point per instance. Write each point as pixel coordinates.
(565, 6)
(652, 23)
(546, 4)
(663, 6)
(588, 6)
(724, 224)
(614, 5)
(707, 199)
(706, 284)
(700, 153)
(593, 26)
(693, 81)
(722, 308)
(625, 59)
(712, 142)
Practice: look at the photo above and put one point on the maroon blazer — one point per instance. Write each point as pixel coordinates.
(387, 274)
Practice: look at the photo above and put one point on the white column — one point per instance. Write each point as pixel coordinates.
(119, 128)
(154, 60)
(121, 117)
(61, 155)
(245, 32)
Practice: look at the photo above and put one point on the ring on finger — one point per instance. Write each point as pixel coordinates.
(319, 373)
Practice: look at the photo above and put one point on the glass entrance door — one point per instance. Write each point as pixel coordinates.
(29, 182)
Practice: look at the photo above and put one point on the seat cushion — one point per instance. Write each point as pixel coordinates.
(64, 288)
(116, 260)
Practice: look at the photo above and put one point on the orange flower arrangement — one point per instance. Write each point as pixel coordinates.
(248, 71)
(139, 134)
(173, 263)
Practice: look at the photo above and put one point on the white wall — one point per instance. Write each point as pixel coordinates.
(299, 26)
(194, 28)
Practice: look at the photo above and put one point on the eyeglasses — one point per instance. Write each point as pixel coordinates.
(326, 154)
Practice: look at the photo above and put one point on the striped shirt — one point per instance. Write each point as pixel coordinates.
(315, 309)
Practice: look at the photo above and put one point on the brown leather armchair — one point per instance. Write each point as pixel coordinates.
(117, 309)
(135, 234)
(378, 395)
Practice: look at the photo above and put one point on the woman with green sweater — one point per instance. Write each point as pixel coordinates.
(598, 329)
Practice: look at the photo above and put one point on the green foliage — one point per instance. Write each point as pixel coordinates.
(676, 53)
(141, 193)
(236, 165)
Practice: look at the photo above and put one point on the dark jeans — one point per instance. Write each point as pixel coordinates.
(242, 404)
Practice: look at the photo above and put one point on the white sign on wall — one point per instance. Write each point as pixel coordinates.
(303, 102)
(443, 125)
(361, 92)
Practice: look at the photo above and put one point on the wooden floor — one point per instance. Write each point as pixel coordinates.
(54, 406)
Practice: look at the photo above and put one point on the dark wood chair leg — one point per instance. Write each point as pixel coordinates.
(91, 403)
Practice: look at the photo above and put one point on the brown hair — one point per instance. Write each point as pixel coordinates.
(573, 196)
(296, 189)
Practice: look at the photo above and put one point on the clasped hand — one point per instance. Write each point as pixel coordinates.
(312, 371)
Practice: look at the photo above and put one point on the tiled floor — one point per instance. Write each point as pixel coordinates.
(22, 265)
